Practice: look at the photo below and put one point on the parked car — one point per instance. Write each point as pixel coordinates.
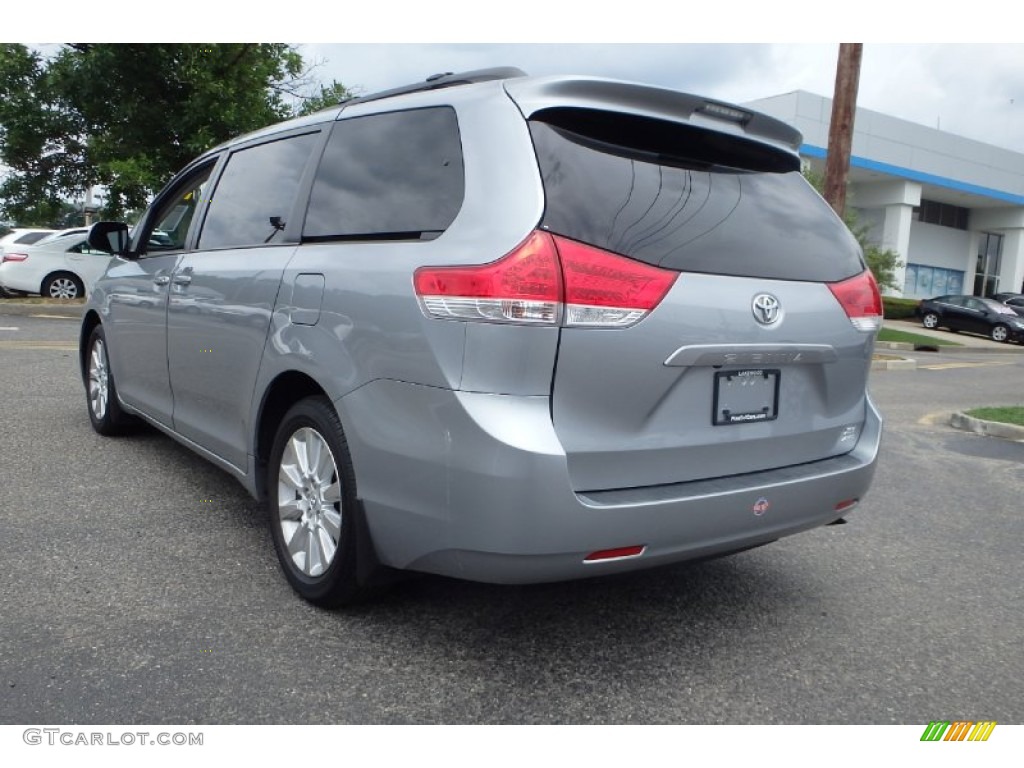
(974, 314)
(501, 328)
(1014, 301)
(61, 268)
(19, 237)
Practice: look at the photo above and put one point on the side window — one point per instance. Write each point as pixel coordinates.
(392, 176)
(167, 227)
(255, 194)
(975, 305)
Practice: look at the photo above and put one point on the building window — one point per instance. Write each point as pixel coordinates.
(986, 274)
(943, 214)
(924, 281)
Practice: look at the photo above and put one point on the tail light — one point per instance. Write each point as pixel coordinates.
(861, 300)
(13, 257)
(547, 280)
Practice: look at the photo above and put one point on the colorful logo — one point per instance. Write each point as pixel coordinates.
(958, 730)
(761, 506)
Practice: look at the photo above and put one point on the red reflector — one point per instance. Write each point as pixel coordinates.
(612, 554)
(846, 504)
(596, 278)
(14, 257)
(861, 300)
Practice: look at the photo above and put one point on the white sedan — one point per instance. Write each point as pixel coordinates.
(60, 268)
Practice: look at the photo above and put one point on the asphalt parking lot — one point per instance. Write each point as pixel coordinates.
(139, 586)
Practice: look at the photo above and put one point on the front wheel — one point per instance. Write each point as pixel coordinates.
(930, 320)
(101, 394)
(311, 503)
(1000, 333)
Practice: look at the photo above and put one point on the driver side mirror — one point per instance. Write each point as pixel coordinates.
(109, 237)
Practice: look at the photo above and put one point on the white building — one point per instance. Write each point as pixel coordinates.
(952, 208)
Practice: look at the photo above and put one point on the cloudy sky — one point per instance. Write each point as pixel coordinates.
(973, 90)
(966, 84)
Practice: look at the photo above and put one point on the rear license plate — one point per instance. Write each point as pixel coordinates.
(744, 397)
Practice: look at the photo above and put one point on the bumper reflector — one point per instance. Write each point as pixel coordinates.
(620, 553)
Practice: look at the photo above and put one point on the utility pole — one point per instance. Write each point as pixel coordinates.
(840, 131)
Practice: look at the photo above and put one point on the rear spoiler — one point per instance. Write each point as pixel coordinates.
(535, 94)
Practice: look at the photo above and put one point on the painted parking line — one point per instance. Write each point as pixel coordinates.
(9, 328)
(949, 366)
(56, 317)
(62, 346)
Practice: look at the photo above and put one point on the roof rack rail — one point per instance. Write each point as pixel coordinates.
(442, 80)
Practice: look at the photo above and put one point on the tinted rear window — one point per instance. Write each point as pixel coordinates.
(31, 237)
(686, 198)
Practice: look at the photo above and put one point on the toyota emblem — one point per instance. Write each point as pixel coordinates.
(766, 308)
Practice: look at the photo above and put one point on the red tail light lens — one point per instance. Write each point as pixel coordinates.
(604, 289)
(523, 287)
(547, 280)
(861, 300)
(14, 257)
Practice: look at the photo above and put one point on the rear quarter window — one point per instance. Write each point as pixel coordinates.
(397, 175)
(686, 198)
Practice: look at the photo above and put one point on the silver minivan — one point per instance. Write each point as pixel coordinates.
(502, 328)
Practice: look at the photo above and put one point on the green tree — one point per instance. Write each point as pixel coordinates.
(883, 263)
(129, 116)
(329, 96)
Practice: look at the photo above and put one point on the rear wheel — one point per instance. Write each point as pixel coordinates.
(1000, 333)
(63, 285)
(930, 320)
(311, 503)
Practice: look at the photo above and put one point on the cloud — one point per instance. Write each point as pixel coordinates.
(975, 91)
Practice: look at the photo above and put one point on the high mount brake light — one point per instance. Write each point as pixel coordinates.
(861, 300)
(547, 280)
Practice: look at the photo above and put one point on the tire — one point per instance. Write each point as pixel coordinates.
(62, 285)
(930, 320)
(1000, 333)
(100, 392)
(312, 507)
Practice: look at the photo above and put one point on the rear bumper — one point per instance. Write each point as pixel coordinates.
(476, 486)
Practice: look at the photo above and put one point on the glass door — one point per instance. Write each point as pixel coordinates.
(986, 277)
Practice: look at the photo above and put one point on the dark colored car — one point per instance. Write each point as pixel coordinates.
(973, 314)
(1014, 301)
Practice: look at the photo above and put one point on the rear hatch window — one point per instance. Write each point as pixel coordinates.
(686, 198)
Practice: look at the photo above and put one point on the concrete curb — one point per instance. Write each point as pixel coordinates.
(73, 311)
(967, 423)
(903, 364)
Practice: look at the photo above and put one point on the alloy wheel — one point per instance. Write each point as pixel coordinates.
(63, 288)
(309, 502)
(99, 380)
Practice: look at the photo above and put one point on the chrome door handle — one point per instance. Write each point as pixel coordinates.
(161, 280)
(182, 279)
